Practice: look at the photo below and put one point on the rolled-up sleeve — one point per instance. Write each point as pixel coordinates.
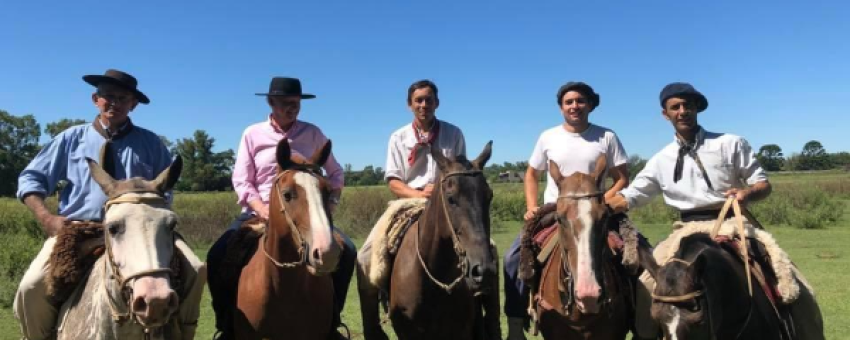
(644, 187)
(245, 172)
(749, 168)
(45, 171)
(395, 159)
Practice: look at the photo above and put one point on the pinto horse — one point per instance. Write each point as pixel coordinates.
(703, 293)
(583, 289)
(285, 291)
(128, 293)
(444, 265)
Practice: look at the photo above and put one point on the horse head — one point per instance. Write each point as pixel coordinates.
(298, 208)
(581, 216)
(139, 240)
(699, 291)
(464, 196)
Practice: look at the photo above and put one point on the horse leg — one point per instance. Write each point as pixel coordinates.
(369, 306)
(492, 326)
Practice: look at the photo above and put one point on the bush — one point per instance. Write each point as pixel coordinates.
(801, 206)
(360, 208)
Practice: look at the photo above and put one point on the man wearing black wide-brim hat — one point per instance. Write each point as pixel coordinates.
(137, 153)
(696, 173)
(253, 174)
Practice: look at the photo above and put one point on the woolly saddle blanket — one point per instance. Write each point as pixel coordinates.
(388, 233)
(787, 274)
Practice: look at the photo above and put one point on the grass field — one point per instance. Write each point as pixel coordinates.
(821, 253)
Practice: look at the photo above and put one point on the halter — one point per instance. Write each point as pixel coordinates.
(458, 247)
(122, 281)
(296, 234)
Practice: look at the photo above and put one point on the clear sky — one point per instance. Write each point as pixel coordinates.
(773, 71)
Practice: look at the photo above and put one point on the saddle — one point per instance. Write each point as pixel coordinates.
(388, 233)
(78, 246)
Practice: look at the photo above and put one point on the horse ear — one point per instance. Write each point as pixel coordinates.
(106, 182)
(283, 154)
(107, 159)
(168, 177)
(555, 172)
(442, 161)
(482, 159)
(647, 261)
(321, 155)
(599, 170)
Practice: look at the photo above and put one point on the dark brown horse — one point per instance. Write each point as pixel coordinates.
(284, 292)
(702, 293)
(586, 297)
(445, 264)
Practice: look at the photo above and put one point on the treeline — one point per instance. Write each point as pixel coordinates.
(203, 169)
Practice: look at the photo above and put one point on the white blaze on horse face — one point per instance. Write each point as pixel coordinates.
(322, 244)
(587, 288)
(673, 324)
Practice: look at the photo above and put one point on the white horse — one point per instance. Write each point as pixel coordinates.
(128, 294)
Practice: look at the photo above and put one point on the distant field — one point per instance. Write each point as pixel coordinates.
(821, 252)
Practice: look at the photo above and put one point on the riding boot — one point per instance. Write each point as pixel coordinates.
(516, 328)
(369, 311)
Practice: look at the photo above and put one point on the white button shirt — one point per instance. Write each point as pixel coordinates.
(728, 159)
(424, 171)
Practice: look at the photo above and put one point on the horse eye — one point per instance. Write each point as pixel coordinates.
(287, 196)
(452, 200)
(113, 229)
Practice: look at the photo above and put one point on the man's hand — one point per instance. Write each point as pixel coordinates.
(529, 214)
(617, 203)
(426, 190)
(742, 195)
(52, 224)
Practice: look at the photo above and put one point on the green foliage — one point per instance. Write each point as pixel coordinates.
(636, 164)
(18, 145)
(813, 157)
(360, 208)
(55, 128)
(203, 169)
(770, 157)
(368, 176)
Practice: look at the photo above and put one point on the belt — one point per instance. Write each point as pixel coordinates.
(703, 215)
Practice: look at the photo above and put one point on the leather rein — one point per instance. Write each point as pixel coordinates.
(463, 262)
(123, 281)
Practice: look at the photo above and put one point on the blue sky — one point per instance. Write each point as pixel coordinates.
(773, 71)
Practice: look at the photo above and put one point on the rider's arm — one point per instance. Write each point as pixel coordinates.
(530, 184)
(244, 176)
(40, 178)
(50, 223)
(620, 175)
(402, 190)
(641, 191)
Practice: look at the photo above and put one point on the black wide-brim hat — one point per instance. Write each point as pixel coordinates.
(683, 90)
(119, 78)
(283, 86)
(579, 87)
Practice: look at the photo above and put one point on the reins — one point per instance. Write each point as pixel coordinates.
(458, 247)
(296, 234)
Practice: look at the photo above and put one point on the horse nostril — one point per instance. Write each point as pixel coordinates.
(317, 255)
(140, 306)
(476, 273)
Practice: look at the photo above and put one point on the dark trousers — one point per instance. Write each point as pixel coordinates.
(516, 294)
(224, 297)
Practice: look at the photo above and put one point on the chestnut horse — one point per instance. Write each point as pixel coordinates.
(444, 264)
(586, 297)
(284, 290)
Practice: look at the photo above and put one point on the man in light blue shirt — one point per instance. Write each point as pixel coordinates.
(137, 152)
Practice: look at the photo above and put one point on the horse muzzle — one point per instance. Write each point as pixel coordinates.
(321, 261)
(153, 301)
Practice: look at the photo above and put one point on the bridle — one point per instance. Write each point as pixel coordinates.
(567, 292)
(296, 233)
(123, 281)
(463, 262)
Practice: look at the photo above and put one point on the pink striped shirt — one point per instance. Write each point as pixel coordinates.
(256, 162)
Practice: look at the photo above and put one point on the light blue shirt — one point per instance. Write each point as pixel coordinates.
(140, 153)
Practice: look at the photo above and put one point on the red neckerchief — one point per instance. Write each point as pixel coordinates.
(420, 143)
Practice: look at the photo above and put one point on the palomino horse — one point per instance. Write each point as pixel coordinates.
(703, 293)
(444, 264)
(284, 290)
(128, 293)
(586, 296)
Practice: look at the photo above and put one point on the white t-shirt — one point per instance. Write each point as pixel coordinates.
(729, 162)
(575, 152)
(424, 170)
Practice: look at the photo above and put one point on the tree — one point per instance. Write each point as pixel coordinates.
(203, 169)
(636, 164)
(770, 157)
(18, 145)
(55, 128)
(840, 159)
(813, 157)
